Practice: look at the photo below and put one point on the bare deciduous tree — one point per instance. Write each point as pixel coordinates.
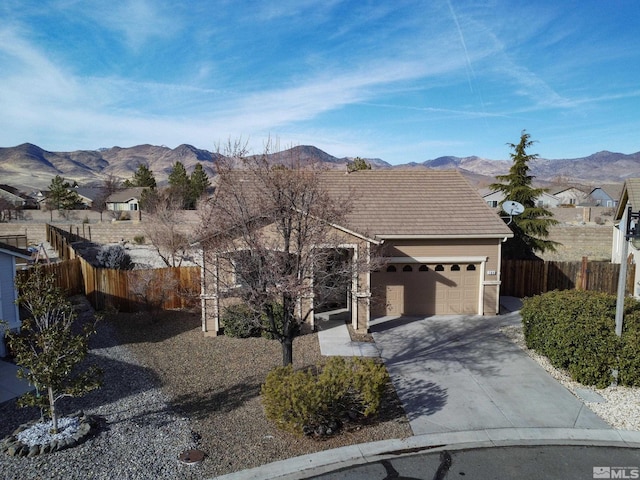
(269, 232)
(162, 228)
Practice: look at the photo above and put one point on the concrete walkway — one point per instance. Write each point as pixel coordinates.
(334, 338)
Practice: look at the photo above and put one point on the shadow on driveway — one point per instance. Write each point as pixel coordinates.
(457, 373)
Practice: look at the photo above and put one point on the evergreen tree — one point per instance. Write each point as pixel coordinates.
(530, 228)
(179, 185)
(61, 196)
(358, 164)
(143, 177)
(199, 183)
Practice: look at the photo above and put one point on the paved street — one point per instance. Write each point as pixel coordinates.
(522, 463)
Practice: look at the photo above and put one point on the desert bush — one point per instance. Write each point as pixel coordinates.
(240, 321)
(303, 402)
(114, 256)
(576, 331)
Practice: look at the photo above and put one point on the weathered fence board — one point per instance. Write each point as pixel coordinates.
(524, 278)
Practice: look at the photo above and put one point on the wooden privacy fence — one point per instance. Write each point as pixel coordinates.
(525, 278)
(123, 290)
(136, 290)
(67, 274)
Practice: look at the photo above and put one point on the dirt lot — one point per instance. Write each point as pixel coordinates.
(215, 382)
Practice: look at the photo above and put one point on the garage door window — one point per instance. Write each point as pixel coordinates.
(391, 268)
(407, 268)
(423, 268)
(471, 268)
(439, 268)
(455, 268)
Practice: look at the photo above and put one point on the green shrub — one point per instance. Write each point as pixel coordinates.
(138, 239)
(629, 367)
(576, 330)
(303, 402)
(239, 321)
(278, 311)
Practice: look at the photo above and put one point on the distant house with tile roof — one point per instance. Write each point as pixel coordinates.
(570, 195)
(127, 199)
(604, 196)
(495, 198)
(442, 246)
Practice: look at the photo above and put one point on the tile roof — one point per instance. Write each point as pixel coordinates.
(630, 192)
(406, 203)
(125, 195)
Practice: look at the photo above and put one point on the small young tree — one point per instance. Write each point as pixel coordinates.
(162, 228)
(110, 185)
(47, 349)
(530, 228)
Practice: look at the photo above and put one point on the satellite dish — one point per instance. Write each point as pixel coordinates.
(512, 208)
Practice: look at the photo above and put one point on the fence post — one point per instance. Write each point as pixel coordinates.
(584, 274)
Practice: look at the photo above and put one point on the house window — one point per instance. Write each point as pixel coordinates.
(455, 268)
(423, 268)
(407, 268)
(492, 203)
(471, 267)
(391, 268)
(439, 268)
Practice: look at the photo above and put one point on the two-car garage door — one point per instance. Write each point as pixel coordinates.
(426, 289)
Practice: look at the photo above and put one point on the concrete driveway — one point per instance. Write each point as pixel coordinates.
(459, 373)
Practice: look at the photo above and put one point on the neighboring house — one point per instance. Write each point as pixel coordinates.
(601, 197)
(441, 244)
(546, 200)
(630, 198)
(127, 199)
(16, 198)
(88, 195)
(570, 196)
(8, 294)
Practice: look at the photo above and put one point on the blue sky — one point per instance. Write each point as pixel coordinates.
(399, 80)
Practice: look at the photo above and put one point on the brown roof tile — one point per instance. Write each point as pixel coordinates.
(432, 203)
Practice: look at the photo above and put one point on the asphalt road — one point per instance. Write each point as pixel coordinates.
(521, 463)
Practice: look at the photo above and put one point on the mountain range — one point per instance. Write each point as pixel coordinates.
(29, 167)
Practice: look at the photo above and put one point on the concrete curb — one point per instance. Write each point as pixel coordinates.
(319, 463)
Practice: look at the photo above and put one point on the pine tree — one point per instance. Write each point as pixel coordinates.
(530, 228)
(358, 164)
(61, 196)
(179, 185)
(199, 183)
(143, 177)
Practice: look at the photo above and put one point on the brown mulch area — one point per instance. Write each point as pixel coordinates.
(215, 382)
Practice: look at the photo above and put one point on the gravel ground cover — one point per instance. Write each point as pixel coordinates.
(168, 389)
